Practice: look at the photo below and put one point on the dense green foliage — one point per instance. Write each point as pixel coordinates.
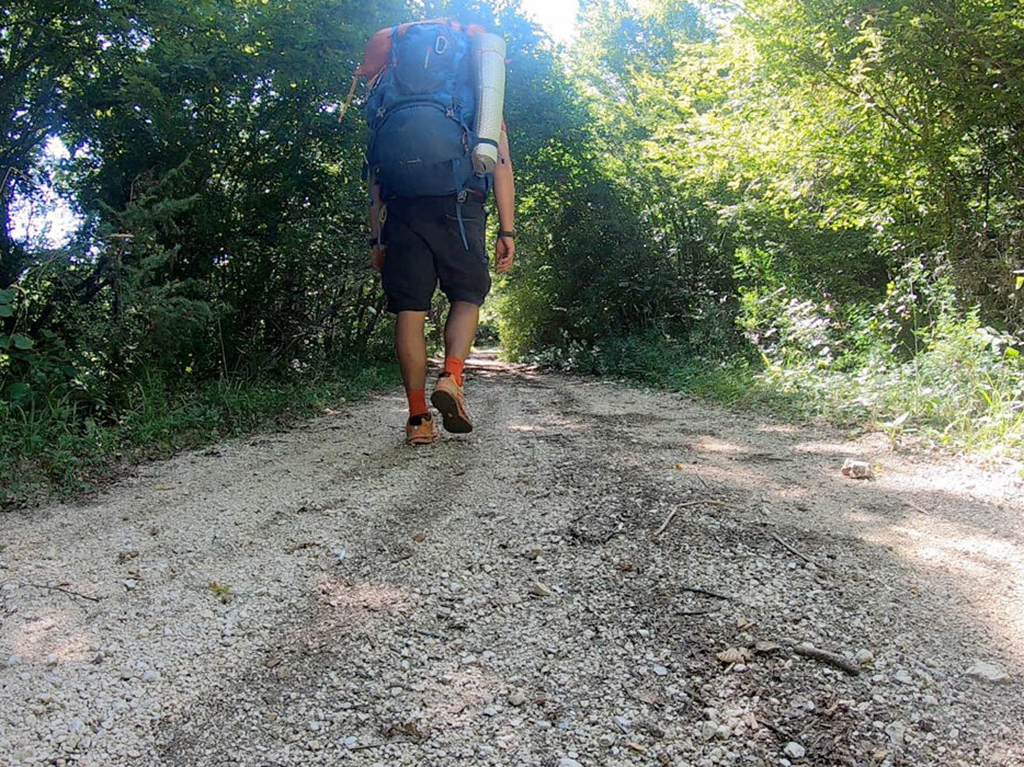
(842, 184)
(800, 201)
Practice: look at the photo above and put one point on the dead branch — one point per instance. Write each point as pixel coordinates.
(706, 592)
(796, 552)
(61, 588)
(365, 746)
(665, 524)
(839, 662)
(433, 634)
(702, 502)
(917, 508)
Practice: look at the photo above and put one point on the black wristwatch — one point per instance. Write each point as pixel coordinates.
(373, 241)
(511, 233)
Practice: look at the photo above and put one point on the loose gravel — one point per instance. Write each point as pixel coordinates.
(596, 576)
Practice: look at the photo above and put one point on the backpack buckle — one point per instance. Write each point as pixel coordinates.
(462, 196)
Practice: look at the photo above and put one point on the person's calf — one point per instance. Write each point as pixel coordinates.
(460, 329)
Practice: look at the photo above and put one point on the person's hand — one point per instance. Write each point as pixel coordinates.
(377, 257)
(504, 254)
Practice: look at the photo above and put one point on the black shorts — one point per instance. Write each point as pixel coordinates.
(425, 246)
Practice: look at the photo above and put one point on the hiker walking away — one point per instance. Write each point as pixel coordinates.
(436, 147)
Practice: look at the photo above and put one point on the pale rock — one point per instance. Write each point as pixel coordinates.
(857, 469)
(794, 750)
(903, 676)
(538, 589)
(988, 672)
(896, 731)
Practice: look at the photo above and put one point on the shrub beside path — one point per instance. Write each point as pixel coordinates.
(596, 576)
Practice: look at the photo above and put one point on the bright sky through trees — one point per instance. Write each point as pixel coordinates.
(47, 218)
(558, 17)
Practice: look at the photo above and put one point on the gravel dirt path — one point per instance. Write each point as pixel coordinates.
(550, 590)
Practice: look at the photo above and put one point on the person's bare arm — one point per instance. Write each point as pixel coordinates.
(376, 252)
(505, 200)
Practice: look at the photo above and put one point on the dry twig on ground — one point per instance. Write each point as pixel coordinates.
(61, 588)
(839, 662)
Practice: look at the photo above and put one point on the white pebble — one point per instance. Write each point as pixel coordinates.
(795, 750)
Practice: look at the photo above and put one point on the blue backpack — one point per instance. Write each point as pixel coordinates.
(420, 114)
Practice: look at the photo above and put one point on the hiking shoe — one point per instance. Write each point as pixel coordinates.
(420, 430)
(449, 399)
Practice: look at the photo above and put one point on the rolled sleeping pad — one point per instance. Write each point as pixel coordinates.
(489, 61)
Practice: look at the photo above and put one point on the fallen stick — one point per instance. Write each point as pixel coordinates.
(364, 747)
(668, 519)
(917, 508)
(62, 590)
(792, 550)
(672, 514)
(705, 592)
(433, 634)
(768, 725)
(839, 662)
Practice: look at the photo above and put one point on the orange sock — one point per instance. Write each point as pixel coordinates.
(454, 366)
(417, 402)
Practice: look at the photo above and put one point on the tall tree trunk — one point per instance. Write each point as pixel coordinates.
(11, 254)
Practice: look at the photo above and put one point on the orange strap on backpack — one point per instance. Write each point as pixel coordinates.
(378, 53)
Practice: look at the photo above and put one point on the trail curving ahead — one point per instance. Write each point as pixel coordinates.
(549, 590)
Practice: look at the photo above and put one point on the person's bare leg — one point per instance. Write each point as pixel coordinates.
(460, 329)
(411, 349)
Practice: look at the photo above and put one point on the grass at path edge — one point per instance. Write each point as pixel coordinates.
(958, 397)
(55, 452)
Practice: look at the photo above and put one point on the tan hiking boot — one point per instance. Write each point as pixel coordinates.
(449, 399)
(420, 430)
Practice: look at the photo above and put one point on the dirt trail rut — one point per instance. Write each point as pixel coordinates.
(514, 597)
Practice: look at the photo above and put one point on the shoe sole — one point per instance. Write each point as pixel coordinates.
(449, 408)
